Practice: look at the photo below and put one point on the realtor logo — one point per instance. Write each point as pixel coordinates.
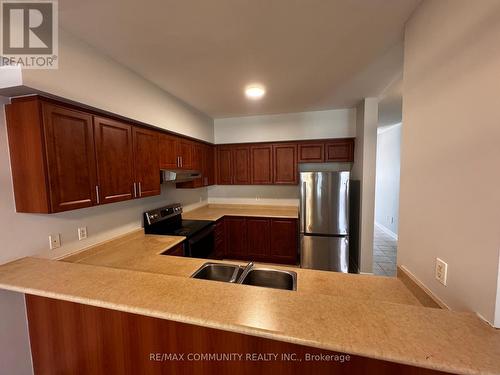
(29, 34)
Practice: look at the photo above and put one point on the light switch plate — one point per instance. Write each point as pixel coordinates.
(54, 241)
(82, 233)
(441, 271)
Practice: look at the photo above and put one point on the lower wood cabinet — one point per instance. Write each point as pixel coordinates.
(261, 239)
(236, 237)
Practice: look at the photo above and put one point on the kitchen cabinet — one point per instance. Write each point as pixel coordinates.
(241, 165)
(77, 159)
(168, 152)
(204, 162)
(262, 239)
(175, 152)
(285, 164)
(258, 238)
(224, 166)
(311, 152)
(114, 156)
(261, 164)
(146, 162)
(284, 241)
(210, 166)
(341, 150)
(52, 156)
(236, 237)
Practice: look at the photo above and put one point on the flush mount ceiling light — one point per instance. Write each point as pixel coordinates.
(255, 92)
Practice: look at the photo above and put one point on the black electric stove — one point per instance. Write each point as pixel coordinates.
(168, 220)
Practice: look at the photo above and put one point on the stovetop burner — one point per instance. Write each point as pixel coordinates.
(168, 221)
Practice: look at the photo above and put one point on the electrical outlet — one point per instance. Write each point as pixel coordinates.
(54, 241)
(441, 271)
(82, 233)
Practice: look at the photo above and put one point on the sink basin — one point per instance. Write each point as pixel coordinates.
(270, 278)
(256, 276)
(218, 272)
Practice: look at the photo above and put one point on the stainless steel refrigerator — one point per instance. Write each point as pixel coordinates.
(324, 220)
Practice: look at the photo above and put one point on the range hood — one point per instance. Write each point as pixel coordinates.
(178, 175)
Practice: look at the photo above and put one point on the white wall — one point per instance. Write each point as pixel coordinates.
(88, 77)
(449, 201)
(364, 171)
(387, 177)
(337, 123)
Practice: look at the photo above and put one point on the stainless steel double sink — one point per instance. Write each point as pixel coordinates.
(249, 275)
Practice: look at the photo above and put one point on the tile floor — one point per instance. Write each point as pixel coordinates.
(384, 254)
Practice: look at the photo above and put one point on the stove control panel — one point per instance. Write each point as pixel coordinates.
(163, 213)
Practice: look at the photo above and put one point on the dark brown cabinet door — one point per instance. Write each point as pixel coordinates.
(241, 165)
(210, 167)
(168, 152)
(185, 153)
(146, 162)
(224, 166)
(258, 238)
(341, 150)
(114, 155)
(285, 164)
(284, 241)
(311, 153)
(236, 237)
(69, 142)
(261, 164)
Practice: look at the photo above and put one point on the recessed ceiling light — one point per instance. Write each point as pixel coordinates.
(255, 92)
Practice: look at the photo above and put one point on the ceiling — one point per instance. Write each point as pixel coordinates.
(310, 54)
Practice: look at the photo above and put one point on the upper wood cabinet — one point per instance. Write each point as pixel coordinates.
(311, 152)
(261, 157)
(210, 165)
(224, 165)
(64, 158)
(69, 145)
(169, 159)
(175, 152)
(52, 156)
(285, 164)
(114, 156)
(340, 150)
(276, 163)
(241, 165)
(146, 162)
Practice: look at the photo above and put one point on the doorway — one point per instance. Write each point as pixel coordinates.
(385, 241)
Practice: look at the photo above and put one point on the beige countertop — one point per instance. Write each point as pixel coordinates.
(371, 316)
(216, 211)
(140, 252)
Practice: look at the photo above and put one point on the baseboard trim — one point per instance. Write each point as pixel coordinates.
(419, 290)
(386, 231)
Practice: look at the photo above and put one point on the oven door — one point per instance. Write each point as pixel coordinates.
(201, 245)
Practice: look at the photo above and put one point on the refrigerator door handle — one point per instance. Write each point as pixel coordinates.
(303, 201)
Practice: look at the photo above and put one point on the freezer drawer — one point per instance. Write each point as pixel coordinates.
(324, 253)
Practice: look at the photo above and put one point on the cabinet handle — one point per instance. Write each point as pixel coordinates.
(135, 190)
(97, 193)
(180, 157)
(140, 190)
(178, 161)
